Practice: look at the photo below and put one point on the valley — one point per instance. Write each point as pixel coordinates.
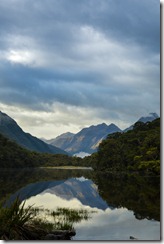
(121, 172)
(135, 148)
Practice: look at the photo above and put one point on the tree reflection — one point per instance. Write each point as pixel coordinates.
(138, 193)
(132, 191)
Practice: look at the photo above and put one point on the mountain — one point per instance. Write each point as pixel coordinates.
(148, 118)
(135, 150)
(88, 139)
(61, 141)
(85, 141)
(10, 129)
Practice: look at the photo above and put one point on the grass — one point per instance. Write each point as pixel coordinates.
(20, 223)
(64, 218)
(13, 220)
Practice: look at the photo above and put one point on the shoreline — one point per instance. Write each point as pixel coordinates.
(66, 167)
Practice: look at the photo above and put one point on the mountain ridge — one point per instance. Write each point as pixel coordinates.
(85, 141)
(10, 129)
(148, 118)
(88, 139)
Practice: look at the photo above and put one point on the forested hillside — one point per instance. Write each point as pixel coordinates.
(14, 156)
(137, 149)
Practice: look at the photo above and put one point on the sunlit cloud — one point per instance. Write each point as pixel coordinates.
(20, 56)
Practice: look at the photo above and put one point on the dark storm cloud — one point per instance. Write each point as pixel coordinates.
(100, 54)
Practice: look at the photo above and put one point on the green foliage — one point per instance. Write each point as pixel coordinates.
(119, 152)
(13, 220)
(18, 222)
(137, 149)
(149, 166)
(14, 156)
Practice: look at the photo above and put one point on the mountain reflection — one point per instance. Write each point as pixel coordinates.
(126, 205)
(82, 189)
(132, 191)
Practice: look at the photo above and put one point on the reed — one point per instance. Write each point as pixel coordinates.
(64, 218)
(18, 222)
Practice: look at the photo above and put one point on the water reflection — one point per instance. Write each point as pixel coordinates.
(108, 224)
(11, 180)
(117, 224)
(126, 205)
(138, 193)
(79, 189)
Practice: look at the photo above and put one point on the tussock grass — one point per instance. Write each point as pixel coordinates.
(20, 223)
(13, 220)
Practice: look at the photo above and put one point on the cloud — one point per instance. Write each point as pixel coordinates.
(101, 57)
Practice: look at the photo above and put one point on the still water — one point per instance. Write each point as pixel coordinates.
(120, 205)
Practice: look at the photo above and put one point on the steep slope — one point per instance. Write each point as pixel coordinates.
(137, 149)
(14, 156)
(61, 141)
(148, 118)
(87, 140)
(10, 129)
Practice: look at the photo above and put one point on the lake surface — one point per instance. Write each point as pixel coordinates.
(120, 206)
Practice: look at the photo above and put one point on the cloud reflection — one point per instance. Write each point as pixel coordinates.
(109, 224)
(117, 224)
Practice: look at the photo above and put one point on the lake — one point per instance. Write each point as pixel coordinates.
(121, 206)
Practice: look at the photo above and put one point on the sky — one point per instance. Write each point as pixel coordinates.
(69, 64)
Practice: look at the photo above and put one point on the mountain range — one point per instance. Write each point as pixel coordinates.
(10, 129)
(83, 143)
(88, 139)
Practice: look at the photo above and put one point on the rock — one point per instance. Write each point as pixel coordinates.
(51, 237)
(133, 238)
(64, 232)
(60, 235)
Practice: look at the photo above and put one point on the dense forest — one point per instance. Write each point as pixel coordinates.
(14, 156)
(134, 150)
